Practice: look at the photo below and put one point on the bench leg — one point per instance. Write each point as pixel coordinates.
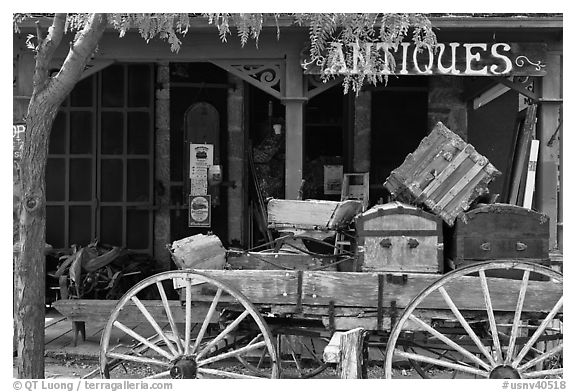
(78, 327)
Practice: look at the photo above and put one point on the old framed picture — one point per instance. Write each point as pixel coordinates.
(199, 211)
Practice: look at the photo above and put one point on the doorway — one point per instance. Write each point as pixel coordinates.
(399, 123)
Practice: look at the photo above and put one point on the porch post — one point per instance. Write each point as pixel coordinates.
(362, 132)
(294, 101)
(235, 169)
(547, 185)
(162, 165)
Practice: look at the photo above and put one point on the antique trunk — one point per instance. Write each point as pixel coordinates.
(499, 231)
(444, 173)
(398, 237)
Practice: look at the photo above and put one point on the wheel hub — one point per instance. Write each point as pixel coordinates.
(184, 368)
(504, 372)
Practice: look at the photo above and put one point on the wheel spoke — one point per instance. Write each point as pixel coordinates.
(154, 324)
(232, 353)
(439, 362)
(491, 318)
(222, 334)
(466, 326)
(206, 322)
(538, 332)
(542, 357)
(222, 373)
(170, 316)
(188, 323)
(542, 373)
(450, 342)
(133, 358)
(142, 340)
(517, 315)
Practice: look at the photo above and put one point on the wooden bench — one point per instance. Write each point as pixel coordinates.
(80, 311)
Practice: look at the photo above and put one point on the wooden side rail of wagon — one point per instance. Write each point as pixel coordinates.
(98, 311)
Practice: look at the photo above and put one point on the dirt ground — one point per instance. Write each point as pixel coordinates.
(62, 366)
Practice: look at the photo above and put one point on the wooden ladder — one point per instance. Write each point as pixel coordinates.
(355, 186)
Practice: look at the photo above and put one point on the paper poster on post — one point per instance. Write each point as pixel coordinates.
(199, 211)
(198, 180)
(201, 155)
(333, 179)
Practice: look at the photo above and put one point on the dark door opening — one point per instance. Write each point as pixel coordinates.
(196, 87)
(399, 122)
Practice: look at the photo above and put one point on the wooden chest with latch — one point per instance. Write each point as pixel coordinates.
(398, 237)
(499, 231)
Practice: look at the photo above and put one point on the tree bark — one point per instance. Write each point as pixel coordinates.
(48, 94)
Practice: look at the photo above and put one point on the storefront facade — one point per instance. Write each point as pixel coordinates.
(119, 164)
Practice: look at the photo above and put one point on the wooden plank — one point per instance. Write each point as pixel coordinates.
(305, 214)
(98, 311)
(274, 261)
(521, 153)
(351, 343)
(531, 176)
(346, 289)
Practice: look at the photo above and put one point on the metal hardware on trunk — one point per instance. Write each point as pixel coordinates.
(486, 246)
(413, 243)
(386, 243)
(520, 246)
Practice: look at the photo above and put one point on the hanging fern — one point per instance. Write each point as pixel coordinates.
(349, 32)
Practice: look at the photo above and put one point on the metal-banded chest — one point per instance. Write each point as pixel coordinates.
(499, 231)
(398, 237)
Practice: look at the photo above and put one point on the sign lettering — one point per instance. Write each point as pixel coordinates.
(451, 58)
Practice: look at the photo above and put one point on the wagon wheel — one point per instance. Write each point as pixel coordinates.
(230, 328)
(524, 343)
(299, 352)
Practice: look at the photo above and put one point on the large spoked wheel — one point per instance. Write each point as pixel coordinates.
(211, 330)
(517, 334)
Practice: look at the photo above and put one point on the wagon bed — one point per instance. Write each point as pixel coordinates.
(377, 302)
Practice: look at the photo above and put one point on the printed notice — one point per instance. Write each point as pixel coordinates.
(201, 155)
(200, 211)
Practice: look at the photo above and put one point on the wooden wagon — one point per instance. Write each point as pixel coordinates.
(271, 311)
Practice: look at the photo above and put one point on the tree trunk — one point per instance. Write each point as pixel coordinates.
(30, 268)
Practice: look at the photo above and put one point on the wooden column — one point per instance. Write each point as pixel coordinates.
(162, 165)
(362, 132)
(547, 184)
(235, 169)
(294, 101)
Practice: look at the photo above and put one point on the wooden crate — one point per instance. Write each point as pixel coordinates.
(398, 237)
(444, 173)
(311, 214)
(499, 231)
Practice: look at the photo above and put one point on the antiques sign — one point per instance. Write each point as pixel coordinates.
(451, 58)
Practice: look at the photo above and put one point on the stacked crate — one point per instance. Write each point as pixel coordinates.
(446, 176)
